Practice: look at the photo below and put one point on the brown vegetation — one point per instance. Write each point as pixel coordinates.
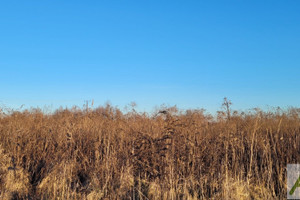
(105, 154)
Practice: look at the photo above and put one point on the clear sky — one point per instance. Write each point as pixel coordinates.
(186, 53)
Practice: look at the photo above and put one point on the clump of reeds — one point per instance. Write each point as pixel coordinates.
(105, 154)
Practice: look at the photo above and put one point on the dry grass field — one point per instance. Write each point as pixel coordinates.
(103, 153)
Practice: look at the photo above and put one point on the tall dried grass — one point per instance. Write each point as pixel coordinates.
(105, 154)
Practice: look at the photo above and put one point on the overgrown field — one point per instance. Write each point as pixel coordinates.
(103, 153)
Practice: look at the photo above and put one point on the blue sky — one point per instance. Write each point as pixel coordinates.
(186, 53)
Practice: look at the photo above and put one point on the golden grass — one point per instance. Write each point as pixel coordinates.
(105, 154)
